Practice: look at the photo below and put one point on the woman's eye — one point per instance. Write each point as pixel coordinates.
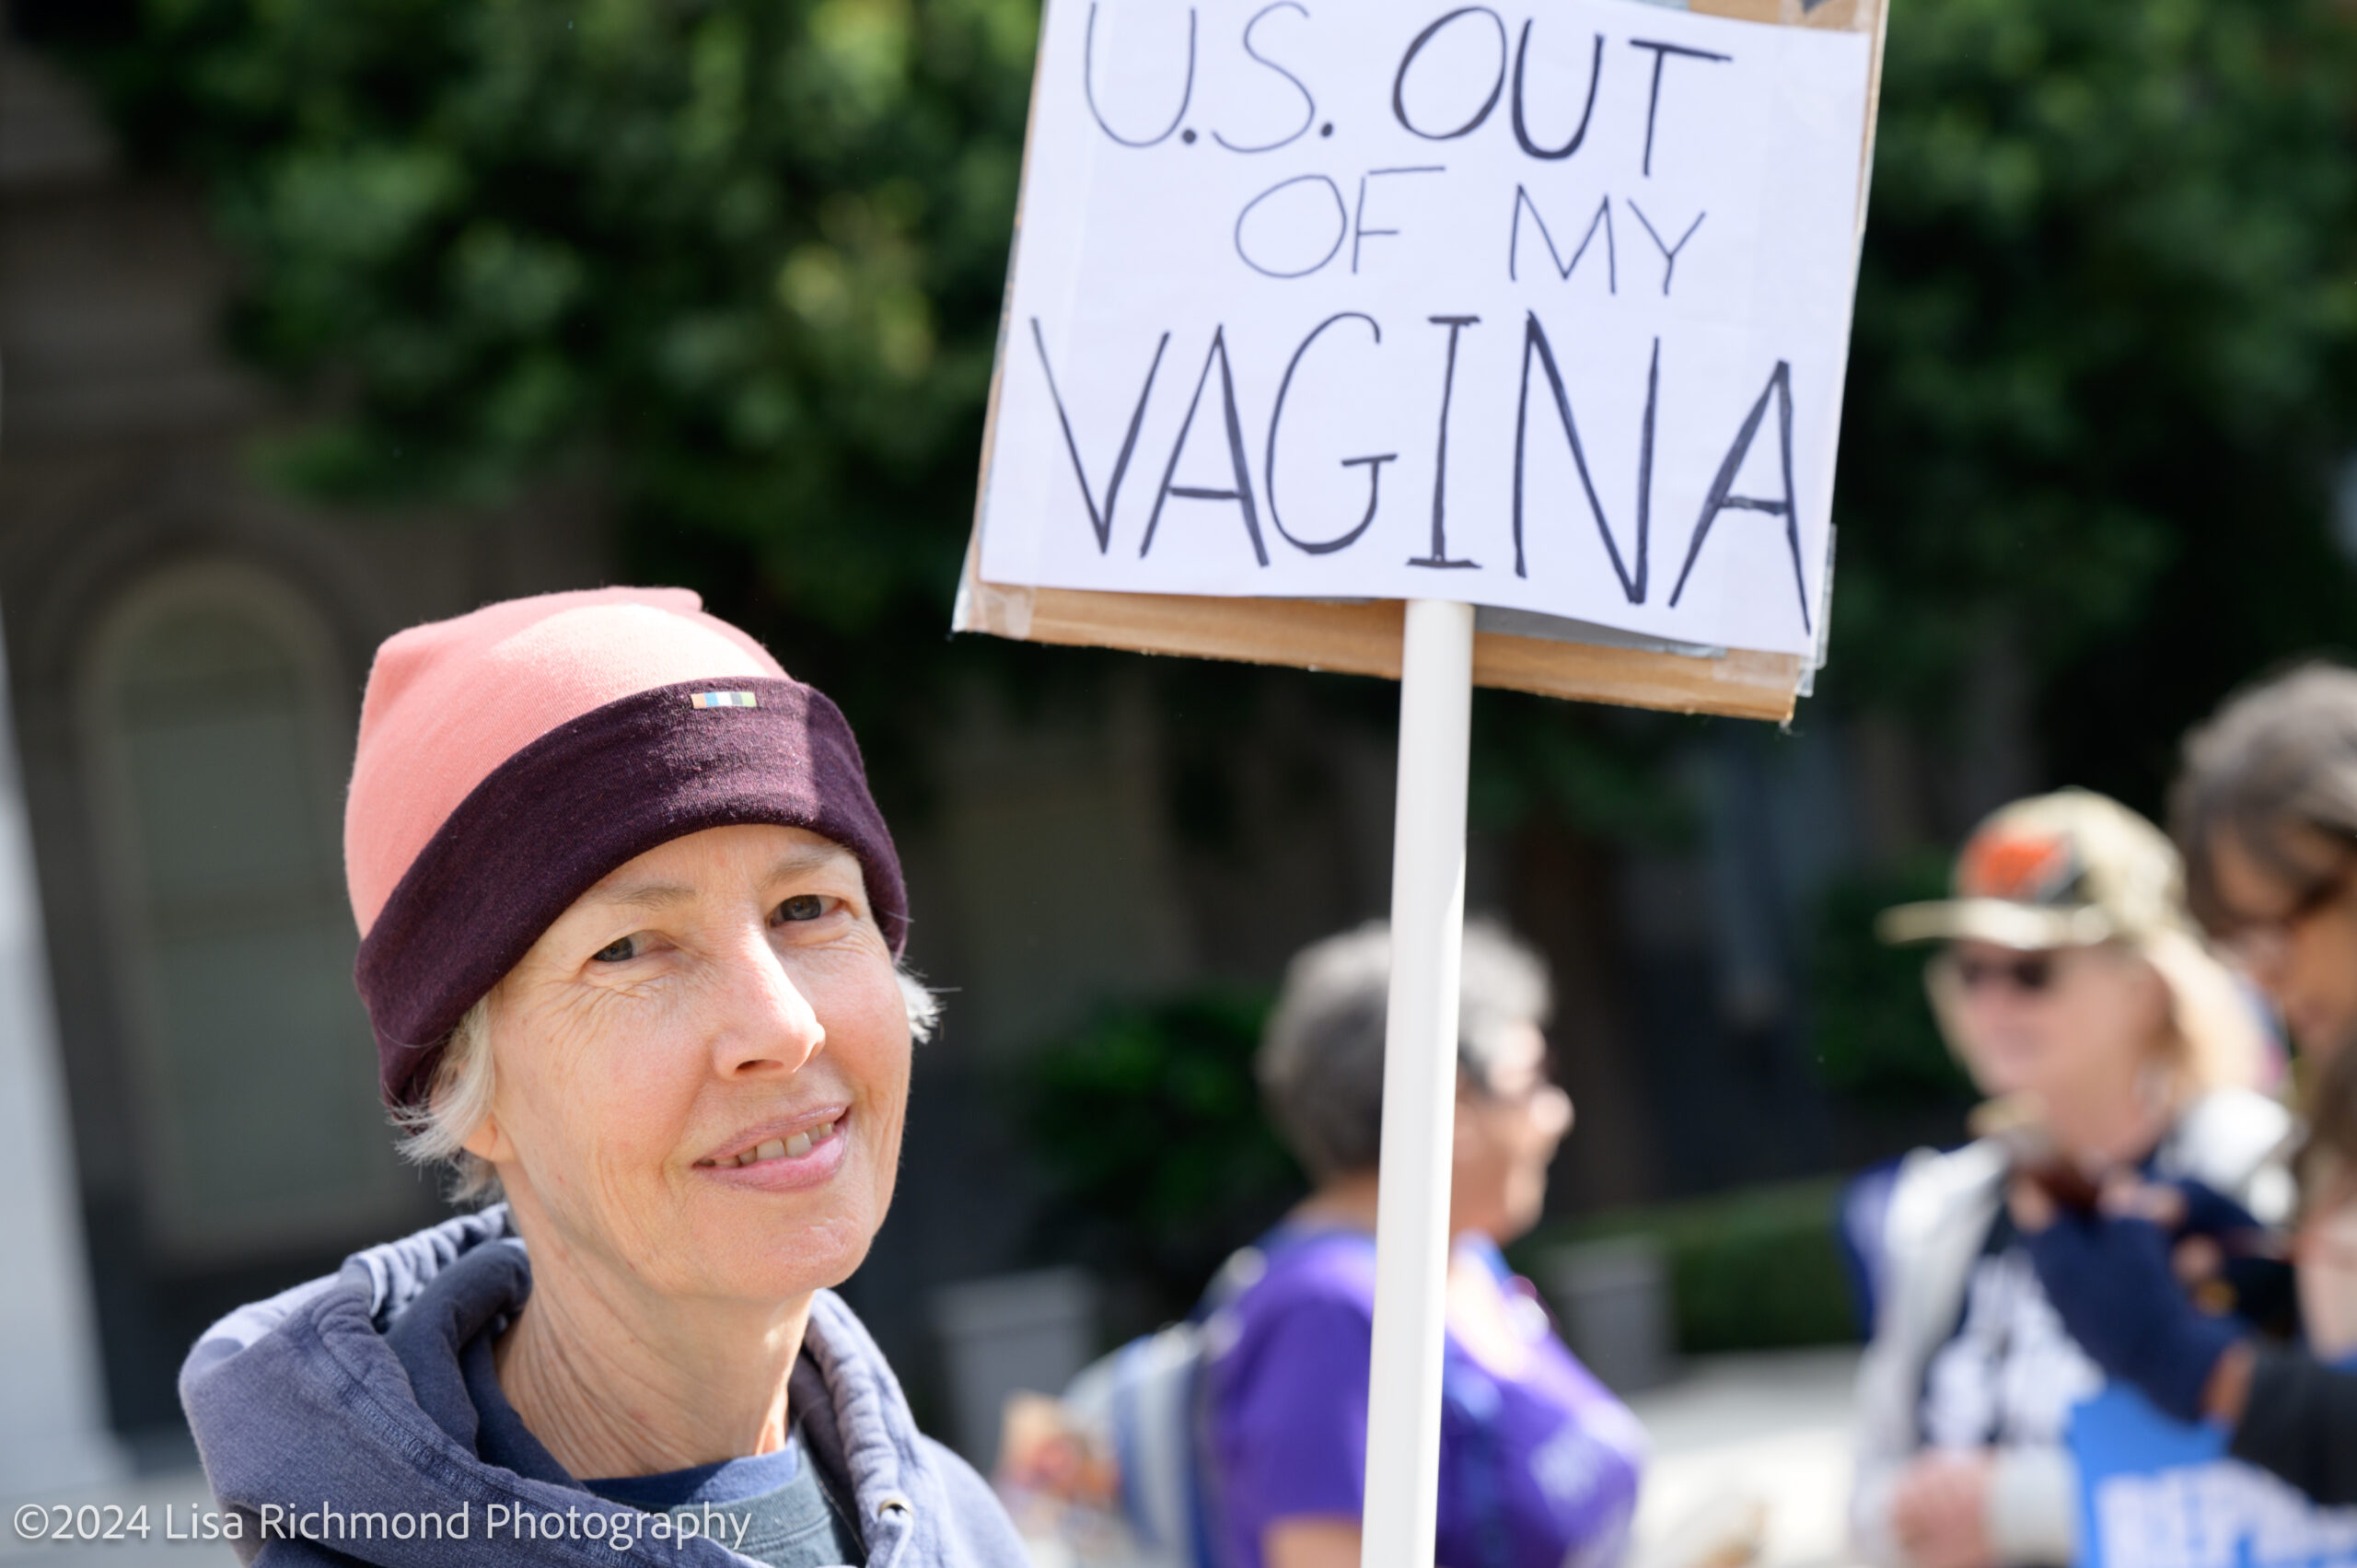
(802, 906)
(616, 952)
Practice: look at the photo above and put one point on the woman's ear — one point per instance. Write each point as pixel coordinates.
(488, 1143)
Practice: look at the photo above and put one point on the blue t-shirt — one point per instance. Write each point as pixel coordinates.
(774, 1509)
(1538, 1469)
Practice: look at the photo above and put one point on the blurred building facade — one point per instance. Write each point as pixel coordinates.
(181, 1050)
(185, 655)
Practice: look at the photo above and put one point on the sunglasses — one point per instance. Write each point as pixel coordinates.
(2029, 974)
(2260, 941)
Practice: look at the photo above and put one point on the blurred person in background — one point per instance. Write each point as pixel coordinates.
(1539, 1463)
(2070, 982)
(2266, 813)
(632, 929)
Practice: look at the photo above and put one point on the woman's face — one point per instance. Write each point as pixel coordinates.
(702, 1068)
(2058, 1024)
(2296, 939)
(1508, 1131)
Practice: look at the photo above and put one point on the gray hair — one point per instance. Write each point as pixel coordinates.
(1321, 1063)
(2279, 757)
(458, 1100)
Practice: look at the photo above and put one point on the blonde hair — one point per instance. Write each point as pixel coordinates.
(2221, 1042)
(458, 1101)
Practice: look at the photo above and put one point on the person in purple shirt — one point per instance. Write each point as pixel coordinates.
(1539, 1463)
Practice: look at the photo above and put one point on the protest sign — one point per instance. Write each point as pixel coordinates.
(2155, 1493)
(1548, 314)
(1459, 343)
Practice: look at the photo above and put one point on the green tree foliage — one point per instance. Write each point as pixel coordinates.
(1756, 1269)
(2103, 357)
(742, 256)
(1872, 1031)
(741, 259)
(1148, 1122)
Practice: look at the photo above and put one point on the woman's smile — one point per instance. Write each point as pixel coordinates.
(800, 1152)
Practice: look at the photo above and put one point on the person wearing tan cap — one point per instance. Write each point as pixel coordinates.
(2069, 981)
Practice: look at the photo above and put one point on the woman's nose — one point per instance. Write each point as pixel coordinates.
(766, 1021)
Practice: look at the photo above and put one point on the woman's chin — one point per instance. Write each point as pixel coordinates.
(790, 1257)
(1998, 1075)
(1523, 1210)
(782, 1272)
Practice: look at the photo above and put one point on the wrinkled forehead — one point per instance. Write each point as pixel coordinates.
(725, 862)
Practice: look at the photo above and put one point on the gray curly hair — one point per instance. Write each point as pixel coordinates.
(1320, 1062)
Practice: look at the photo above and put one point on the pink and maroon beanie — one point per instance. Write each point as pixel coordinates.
(509, 759)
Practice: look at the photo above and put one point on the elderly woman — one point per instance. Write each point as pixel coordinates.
(1539, 1463)
(2071, 981)
(631, 931)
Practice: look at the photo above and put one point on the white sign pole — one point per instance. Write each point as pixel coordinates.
(1419, 1086)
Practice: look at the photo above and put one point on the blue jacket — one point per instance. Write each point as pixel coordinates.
(334, 1421)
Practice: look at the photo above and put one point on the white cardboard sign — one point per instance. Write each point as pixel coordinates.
(1540, 308)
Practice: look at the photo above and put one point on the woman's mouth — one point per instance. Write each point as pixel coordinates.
(793, 1149)
(783, 1159)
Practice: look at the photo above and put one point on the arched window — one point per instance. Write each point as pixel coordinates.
(217, 719)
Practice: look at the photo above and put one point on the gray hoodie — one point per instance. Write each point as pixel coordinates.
(335, 1424)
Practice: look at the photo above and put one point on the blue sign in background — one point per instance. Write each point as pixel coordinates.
(2156, 1493)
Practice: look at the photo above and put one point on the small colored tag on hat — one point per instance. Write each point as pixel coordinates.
(2029, 868)
(723, 700)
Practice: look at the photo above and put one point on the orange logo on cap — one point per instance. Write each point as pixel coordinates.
(2023, 867)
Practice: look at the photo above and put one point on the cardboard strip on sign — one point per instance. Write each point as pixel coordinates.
(1364, 636)
(1364, 639)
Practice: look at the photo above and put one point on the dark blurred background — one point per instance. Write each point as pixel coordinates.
(318, 318)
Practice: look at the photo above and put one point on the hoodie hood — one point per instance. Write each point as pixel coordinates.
(347, 1395)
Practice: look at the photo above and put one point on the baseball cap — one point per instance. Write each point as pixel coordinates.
(2069, 870)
